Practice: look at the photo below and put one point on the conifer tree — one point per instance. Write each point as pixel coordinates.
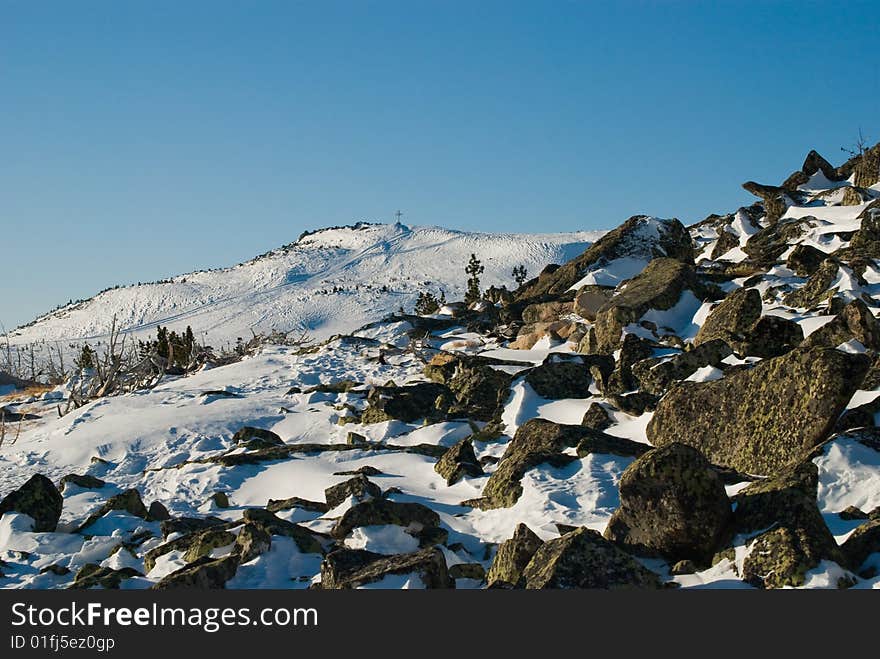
(473, 269)
(520, 275)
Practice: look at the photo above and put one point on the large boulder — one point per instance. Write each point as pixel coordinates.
(422, 400)
(257, 437)
(352, 568)
(658, 286)
(204, 574)
(39, 499)
(479, 389)
(816, 288)
(771, 336)
(640, 237)
(512, 558)
(561, 379)
(761, 420)
(656, 375)
(861, 544)
(855, 322)
(804, 260)
(413, 516)
(672, 504)
(274, 525)
(590, 299)
(732, 318)
(584, 559)
(535, 442)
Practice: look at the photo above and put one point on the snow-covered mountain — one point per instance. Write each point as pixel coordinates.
(327, 282)
(674, 406)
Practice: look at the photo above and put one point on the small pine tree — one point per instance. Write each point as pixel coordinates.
(520, 275)
(427, 304)
(473, 269)
(86, 358)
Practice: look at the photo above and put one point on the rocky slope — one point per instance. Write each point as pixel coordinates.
(674, 406)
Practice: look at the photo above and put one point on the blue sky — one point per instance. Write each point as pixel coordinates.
(144, 139)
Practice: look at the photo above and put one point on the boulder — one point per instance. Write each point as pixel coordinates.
(512, 558)
(590, 299)
(257, 437)
(359, 487)
(84, 481)
(129, 501)
(194, 545)
(157, 512)
(761, 420)
(277, 505)
(861, 543)
(205, 574)
(855, 321)
(422, 400)
(771, 336)
(561, 379)
(815, 290)
(600, 442)
(656, 375)
(792, 535)
(584, 559)
(732, 318)
(774, 199)
(633, 349)
(274, 525)
(39, 499)
(545, 312)
(804, 260)
(91, 575)
(252, 541)
(459, 461)
(479, 390)
(376, 512)
(659, 286)
(535, 442)
(596, 418)
(672, 504)
(640, 237)
(352, 568)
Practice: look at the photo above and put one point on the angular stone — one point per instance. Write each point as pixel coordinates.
(39, 499)
(512, 558)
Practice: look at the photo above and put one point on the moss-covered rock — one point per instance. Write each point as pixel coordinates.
(761, 420)
(672, 504)
(422, 400)
(771, 336)
(91, 575)
(376, 512)
(512, 557)
(640, 237)
(206, 542)
(804, 260)
(633, 349)
(459, 461)
(193, 545)
(39, 499)
(816, 289)
(855, 321)
(479, 390)
(861, 543)
(600, 442)
(797, 538)
(659, 286)
(274, 525)
(657, 374)
(252, 541)
(535, 442)
(596, 418)
(204, 574)
(561, 379)
(584, 559)
(360, 487)
(473, 571)
(733, 317)
(352, 568)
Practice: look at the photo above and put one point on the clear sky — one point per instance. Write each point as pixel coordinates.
(142, 139)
